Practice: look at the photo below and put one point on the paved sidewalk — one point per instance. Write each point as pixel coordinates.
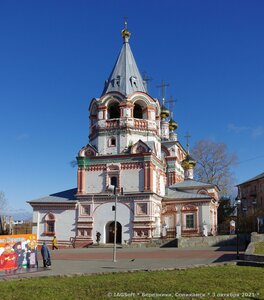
(100, 260)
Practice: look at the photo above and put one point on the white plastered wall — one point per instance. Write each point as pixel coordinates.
(132, 180)
(162, 185)
(104, 215)
(65, 223)
(204, 216)
(94, 181)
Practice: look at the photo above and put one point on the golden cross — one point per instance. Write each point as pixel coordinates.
(187, 136)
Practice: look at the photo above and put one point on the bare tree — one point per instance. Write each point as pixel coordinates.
(3, 202)
(214, 164)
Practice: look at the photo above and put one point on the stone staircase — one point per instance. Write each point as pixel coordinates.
(119, 246)
(182, 242)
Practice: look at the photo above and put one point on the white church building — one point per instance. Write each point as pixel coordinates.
(133, 146)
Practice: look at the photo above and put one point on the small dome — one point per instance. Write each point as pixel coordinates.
(188, 162)
(172, 125)
(125, 34)
(164, 112)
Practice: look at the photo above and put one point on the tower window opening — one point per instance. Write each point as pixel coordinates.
(138, 113)
(112, 142)
(118, 80)
(133, 81)
(114, 111)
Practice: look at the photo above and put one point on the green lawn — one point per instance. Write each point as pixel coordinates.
(218, 282)
(259, 248)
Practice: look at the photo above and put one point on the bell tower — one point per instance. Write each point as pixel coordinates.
(125, 112)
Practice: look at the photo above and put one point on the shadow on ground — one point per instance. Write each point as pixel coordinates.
(228, 258)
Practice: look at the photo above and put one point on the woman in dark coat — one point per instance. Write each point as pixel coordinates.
(45, 255)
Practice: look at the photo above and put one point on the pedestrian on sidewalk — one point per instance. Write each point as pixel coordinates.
(45, 255)
(54, 243)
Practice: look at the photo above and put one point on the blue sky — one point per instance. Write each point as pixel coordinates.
(56, 55)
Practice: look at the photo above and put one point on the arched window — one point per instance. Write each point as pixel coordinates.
(138, 113)
(49, 224)
(114, 111)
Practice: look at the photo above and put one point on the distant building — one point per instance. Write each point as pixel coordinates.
(19, 222)
(133, 146)
(251, 193)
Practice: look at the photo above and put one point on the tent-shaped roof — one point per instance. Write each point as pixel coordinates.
(125, 77)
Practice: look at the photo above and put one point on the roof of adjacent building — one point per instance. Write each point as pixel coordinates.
(125, 77)
(260, 176)
(188, 189)
(64, 196)
(176, 194)
(191, 184)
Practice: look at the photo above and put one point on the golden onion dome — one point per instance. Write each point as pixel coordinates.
(172, 125)
(188, 162)
(125, 34)
(164, 112)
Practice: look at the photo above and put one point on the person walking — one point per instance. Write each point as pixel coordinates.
(45, 255)
(54, 243)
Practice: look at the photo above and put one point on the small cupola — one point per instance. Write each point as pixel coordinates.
(188, 165)
(164, 112)
(125, 33)
(172, 125)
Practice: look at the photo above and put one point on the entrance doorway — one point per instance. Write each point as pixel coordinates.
(110, 232)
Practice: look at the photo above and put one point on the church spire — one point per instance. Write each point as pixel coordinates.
(125, 77)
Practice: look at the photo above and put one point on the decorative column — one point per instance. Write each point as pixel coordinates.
(146, 177)
(126, 109)
(151, 167)
(102, 112)
(81, 181)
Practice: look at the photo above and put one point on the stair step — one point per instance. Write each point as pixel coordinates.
(105, 246)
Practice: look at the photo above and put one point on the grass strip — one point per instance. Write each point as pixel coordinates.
(217, 282)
